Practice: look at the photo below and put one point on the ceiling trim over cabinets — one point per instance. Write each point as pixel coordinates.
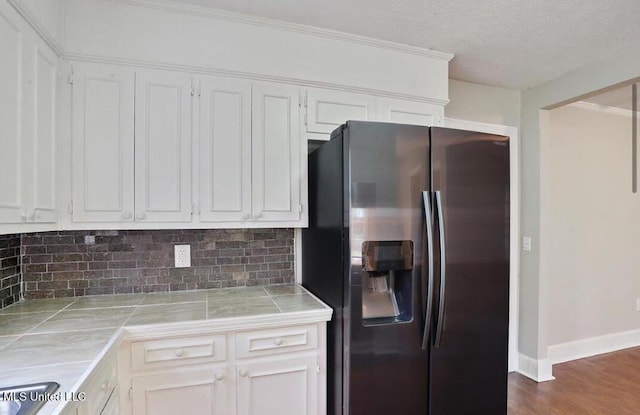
(248, 75)
(590, 106)
(36, 25)
(282, 25)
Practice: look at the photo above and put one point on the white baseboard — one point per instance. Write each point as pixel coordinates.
(538, 370)
(593, 346)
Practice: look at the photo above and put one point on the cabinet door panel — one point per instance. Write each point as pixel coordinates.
(102, 143)
(276, 152)
(409, 112)
(163, 146)
(11, 38)
(328, 109)
(42, 185)
(225, 150)
(192, 391)
(278, 387)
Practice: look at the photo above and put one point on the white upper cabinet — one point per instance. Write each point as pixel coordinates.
(163, 146)
(327, 109)
(11, 95)
(102, 159)
(225, 150)
(28, 74)
(409, 112)
(40, 126)
(276, 153)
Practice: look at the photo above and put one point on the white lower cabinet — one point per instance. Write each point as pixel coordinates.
(201, 390)
(100, 390)
(272, 371)
(285, 386)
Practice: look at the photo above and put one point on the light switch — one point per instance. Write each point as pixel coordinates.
(526, 243)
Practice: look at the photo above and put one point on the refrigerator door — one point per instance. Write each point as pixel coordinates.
(385, 367)
(468, 359)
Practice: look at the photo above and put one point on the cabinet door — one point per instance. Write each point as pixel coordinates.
(276, 152)
(328, 109)
(225, 149)
(102, 143)
(39, 128)
(202, 391)
(11, 91)
(163, 146)
(409, 112)
(113, 404)
(278, 387)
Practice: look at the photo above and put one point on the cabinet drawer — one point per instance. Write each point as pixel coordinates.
(262, 342)
(173, 352)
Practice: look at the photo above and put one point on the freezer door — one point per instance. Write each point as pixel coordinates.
(468, 359)
(385, 367)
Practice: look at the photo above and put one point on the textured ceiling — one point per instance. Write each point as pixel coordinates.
(509, 43)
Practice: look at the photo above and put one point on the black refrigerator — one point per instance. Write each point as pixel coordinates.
(408, 242)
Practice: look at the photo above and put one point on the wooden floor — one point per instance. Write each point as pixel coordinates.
(607, 384)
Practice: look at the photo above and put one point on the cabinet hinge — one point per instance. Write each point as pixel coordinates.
(318, 368)
(130, 394)
(70, 207)
(71, 77)
(306, 111)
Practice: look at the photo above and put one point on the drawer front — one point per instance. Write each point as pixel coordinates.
(281, 340)
(173, 352)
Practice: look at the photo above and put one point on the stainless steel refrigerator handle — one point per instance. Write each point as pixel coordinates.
(443, 270)
(426, 197)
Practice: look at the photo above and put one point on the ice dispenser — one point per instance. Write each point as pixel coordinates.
(387, 284)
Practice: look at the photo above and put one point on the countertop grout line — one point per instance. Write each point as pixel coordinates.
(47, 319)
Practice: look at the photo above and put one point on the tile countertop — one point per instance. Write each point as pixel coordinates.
(62, 339)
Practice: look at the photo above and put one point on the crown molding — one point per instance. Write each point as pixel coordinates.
(590, 106)
(36, 25)
(176, 7)
(247, 75)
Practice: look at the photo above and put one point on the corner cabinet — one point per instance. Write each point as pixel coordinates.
(28, 76)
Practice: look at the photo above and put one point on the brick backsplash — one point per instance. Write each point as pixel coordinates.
(9, 269)
(77, 263)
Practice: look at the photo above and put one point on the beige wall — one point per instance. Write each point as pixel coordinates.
(482, 103)
(534, 271)
(593, 238)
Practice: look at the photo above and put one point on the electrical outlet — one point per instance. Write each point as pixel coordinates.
(637, 304)
(182, 256)
(526, 244)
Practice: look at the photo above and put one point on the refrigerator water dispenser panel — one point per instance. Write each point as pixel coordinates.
(387, 282)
